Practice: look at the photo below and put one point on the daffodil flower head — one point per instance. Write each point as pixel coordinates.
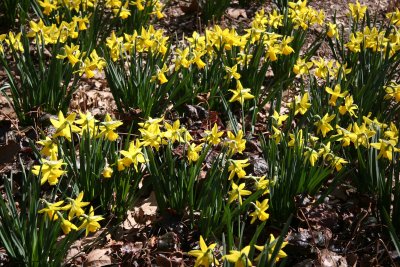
(134, 155)
(52, 208)
(279, 119)
(90, 222)
(236, 167)
(204, 255)
(357, 11)
(50, 170)
(236, 144)
(240, 258)
(335, 94)
(301, 104)
(193, 152)
(49, 146)
(65, 126)
(260, 211)
(76, 206)
(237, 192)
(87, 123)
(240, 94)
(271, 248)
(108, 127)
(107, 171)
(323, 125)
(311, 155)
(213, 136)
(67, 226)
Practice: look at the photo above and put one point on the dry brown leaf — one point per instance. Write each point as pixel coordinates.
(174, 260)
(147, 212)
(74, 250)
(98, 257)
(131, 248)
(329, 258)
(130, 221)
(236, 13)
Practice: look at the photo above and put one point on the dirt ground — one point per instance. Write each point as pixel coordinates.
(340, 231)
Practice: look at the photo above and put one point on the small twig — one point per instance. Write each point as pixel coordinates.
(357, 227)
(309, 227)
(387, 250)
(11, 120)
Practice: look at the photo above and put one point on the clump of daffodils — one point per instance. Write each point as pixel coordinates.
(205, 256)
(58, 211)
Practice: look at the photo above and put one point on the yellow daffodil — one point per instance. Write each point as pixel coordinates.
(285, 48)
(50, 170)
(67, 226)
(393, 92)
(271, 248)
(72, 53)
(160, 75)
(181, 59)
(48, 6)
(386, 148)
(240, 94)
(94, 62)
(332, 31)
(87, 123)
(348, 106)
(76, 206)
(357, 11)
(259, 211)
(262, 183)
(392, 133)
(213, 136)
(394, 17)
(52, 208)
(107, 128)
(240, 258)
(49, 146)
(296, 139)
(138, 4)
(197, 59)
(193, 152)
(65, 126)
(302, 67)
(204, 255)
(114, 44)
(151, 135)
(175, 132)
(323, 125)
(232, 72)
(134, 155)
(236, 167)
(277, 135)
(107, 171)
(325, 150)
(237, 192)
(90, 222)
(323, 67)
(361, 135)
(335, 94)
(82, 22)
(311, 155)
(338, 162)
(275, 19)
(158, 7)
(301, 104)
(236, 143)
(279, 118)
(354, 45)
